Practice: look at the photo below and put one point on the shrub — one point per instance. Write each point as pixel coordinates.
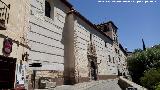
(151, 78)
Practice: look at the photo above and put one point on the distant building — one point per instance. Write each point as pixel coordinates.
(68, 48)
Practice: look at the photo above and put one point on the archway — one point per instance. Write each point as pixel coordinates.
(92, 61)
(93, 70)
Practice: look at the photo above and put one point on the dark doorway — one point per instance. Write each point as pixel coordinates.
(93, 71)
(7, 72)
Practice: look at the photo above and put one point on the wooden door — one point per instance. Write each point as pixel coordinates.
(93, 71)
(7, 72)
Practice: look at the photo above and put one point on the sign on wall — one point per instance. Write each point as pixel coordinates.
(7, 45)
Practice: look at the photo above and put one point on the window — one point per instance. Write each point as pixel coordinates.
(4, 15)
(105, 28)
(109, 58)
(113, 30)
(105, 44)
(115, 50)
(116, 40)
(113, 60)
(47, 9)
(119, 59)
(90, 37)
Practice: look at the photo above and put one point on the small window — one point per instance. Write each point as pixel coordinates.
(115, 50)
(113, 30)
(109, 58)
(105, 44)
(114, 39)
(113, 60)
(47, 9)
(90, 37)
(119, 59)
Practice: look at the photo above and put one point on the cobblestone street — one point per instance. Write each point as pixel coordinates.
(110, 84)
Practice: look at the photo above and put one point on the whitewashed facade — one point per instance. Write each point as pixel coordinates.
(47, 41)
(68, 46)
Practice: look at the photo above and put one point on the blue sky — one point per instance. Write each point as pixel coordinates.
(134, 20)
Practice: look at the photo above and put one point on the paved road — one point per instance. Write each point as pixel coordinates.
(110, 84)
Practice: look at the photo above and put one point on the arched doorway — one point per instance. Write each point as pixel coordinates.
(92, 62)
(93, 70)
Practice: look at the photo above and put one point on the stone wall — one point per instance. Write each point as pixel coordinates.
(16, 29)
(18, 20)
(45, 38)
(124, 84)
(82, 40)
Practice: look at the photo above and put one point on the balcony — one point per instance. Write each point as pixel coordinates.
(4, 15)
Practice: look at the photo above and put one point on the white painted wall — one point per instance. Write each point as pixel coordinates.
(82, 38)
(45, 35)
(45, 40)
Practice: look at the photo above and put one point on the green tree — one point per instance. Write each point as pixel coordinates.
(136, 66)
(137, 50)
(157, 87)
(151, 78)
(140, 63)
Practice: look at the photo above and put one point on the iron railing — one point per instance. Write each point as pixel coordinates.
(4, 14)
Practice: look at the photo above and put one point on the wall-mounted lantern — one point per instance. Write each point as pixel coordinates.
(25, 56)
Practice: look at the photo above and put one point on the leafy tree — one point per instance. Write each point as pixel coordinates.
(136, 66)
(137, 50)
(141, 63)
(151, 78)
(157, 87)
